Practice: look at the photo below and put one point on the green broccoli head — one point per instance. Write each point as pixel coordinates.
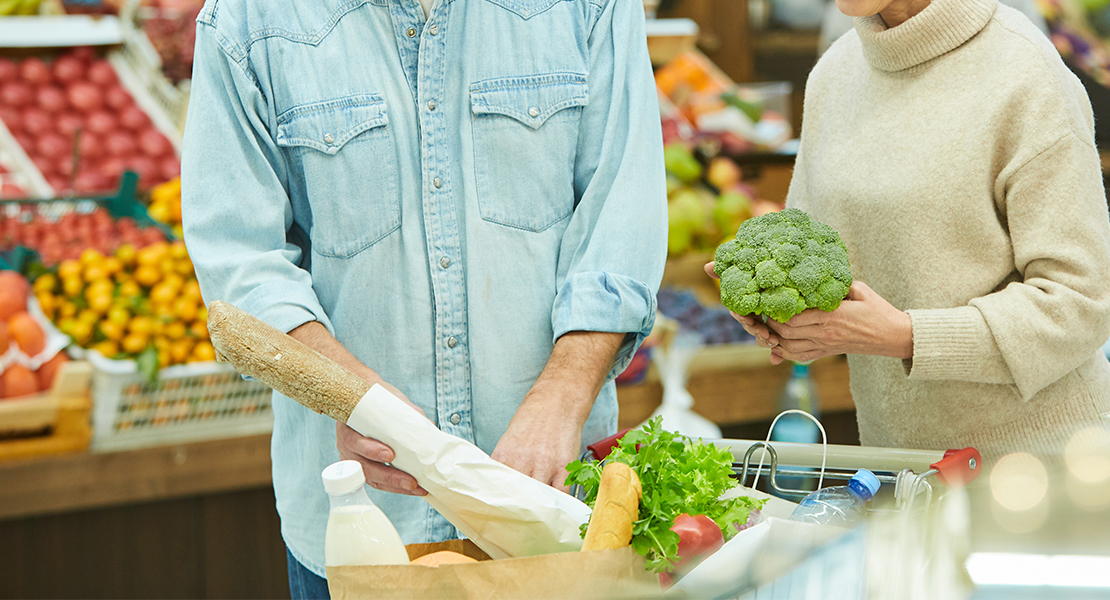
(782, 263)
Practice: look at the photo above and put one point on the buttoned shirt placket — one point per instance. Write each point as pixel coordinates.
(424, 58)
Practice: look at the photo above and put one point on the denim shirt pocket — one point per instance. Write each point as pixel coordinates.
(525, 140)
(343, 152)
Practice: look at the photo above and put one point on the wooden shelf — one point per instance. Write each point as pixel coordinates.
(83, 481)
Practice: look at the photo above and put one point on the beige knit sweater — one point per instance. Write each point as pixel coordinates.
(955, 155)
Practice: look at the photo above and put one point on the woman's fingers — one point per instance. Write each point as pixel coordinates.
(709, 270)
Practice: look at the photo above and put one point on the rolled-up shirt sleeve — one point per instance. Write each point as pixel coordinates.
(237, 218)
(614, 249)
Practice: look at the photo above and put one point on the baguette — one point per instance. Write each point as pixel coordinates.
(616, 509)
(443, 557)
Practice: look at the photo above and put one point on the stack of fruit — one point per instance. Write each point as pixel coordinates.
(706, 205)
(14, 8)
(22, 342)
(165, 205)
(67, 237)
(79, 125)
(142, 304)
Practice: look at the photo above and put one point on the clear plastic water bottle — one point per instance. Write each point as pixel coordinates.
(799, 394)
(842, 506)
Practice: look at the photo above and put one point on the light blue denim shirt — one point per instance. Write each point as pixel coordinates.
(447, 196)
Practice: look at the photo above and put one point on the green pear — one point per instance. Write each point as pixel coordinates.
(681, 163)
(732, 209)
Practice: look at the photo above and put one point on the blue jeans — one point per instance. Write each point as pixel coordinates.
(304, 584)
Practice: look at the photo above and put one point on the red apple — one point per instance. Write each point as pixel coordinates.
(51, 98)
(68, 123)
(101, 73)
(34, 71)
(8, 70)
(15, 94)
(91, 145)
(36, 121)
(68, 69)
(134, 118)
(120, 143)
(53, 145)
(153, 143)
(101, 122)
(117, 98)
(85, 96)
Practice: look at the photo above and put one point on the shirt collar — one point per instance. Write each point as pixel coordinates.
(941, 27)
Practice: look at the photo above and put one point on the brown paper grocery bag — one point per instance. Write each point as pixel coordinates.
(581, 575)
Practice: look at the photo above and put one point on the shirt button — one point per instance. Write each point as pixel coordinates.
(329, 138)
(437, 182)
(533, 112)
(452, 342)
(444, 262)
(434, 29)
(411, 32)
(431, 104)
(456, 419)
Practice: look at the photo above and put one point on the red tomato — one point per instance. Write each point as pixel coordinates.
(53, 145)
(85, 96)
(698, 537)
(120, 143)
(68, 123)
(15, 94)
(83, 53)
(134, 118)
(169, 168)
(153, 143)
(34, 71)
(101, 73)
(8, 69)
(68, 69)
(11, 118)
(101, 121)
(91, 145)
(36, 121)
(111, 168)
(117, 98)
(59, 183)
(51, 98)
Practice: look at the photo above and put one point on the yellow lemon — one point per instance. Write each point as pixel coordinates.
(175, 330)
(108, 348)
(112, 330)
(203, 352)
(70, 269)
(90, 256)
(134, 343)
(126, 254)
(72, 286)
(46, 283)
(147, 275)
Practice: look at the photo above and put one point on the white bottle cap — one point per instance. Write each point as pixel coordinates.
(343, 477)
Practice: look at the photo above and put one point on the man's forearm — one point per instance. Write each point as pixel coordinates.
(579, 364)
(316, 336)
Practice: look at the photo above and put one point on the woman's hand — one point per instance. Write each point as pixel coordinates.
(864, 323)
(764, 337)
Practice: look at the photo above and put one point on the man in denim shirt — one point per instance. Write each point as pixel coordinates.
(467, 205)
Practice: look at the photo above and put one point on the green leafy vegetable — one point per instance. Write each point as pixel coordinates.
(678, 475)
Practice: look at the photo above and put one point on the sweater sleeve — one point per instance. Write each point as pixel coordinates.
(1035, 330)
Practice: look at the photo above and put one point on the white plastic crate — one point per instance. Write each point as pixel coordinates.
(21, 171)
(187, 403)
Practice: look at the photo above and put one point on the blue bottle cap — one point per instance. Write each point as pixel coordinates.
(801, 370)
(868, 479)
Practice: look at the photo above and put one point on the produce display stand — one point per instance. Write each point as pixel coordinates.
(53, 422)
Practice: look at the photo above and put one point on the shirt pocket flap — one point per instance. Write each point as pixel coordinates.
(530, 100)
(327, 126)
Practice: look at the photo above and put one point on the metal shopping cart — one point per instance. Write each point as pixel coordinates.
(911, 546)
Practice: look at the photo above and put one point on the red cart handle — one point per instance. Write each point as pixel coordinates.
(602, 449)
(958, 467)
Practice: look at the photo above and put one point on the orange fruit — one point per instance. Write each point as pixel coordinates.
(12, 301)
(142, 326)
(147, 275)
(113, 265)
(175, 330)
(178, 250)
(26, 333)
(82, 331)
(185, 309)
(153, 254)
(13, 280)
(199, 329)
(67, 310)
(163, 293)
(126, 254)
(180, 350)
(96, 271)
(130, 289)
(203, 352)
(48, 303)
(108, 348)
(72, 286)
(5, 339)
(184, 267)
(69, 269)
(99, 299)
(112, 330)
(45, 283)
(18, 380)
(134, 343)
(48, 372)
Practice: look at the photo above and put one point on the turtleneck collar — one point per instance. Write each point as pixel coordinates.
(941, 27)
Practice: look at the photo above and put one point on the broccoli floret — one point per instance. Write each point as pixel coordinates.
(768, 274)
(782, 263)
(781, 303)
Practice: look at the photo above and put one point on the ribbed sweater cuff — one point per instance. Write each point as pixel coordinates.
(947, 343)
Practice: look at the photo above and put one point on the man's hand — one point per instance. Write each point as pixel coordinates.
(546, 431)
(373, 455)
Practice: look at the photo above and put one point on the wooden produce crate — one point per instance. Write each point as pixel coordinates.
(53, 422)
